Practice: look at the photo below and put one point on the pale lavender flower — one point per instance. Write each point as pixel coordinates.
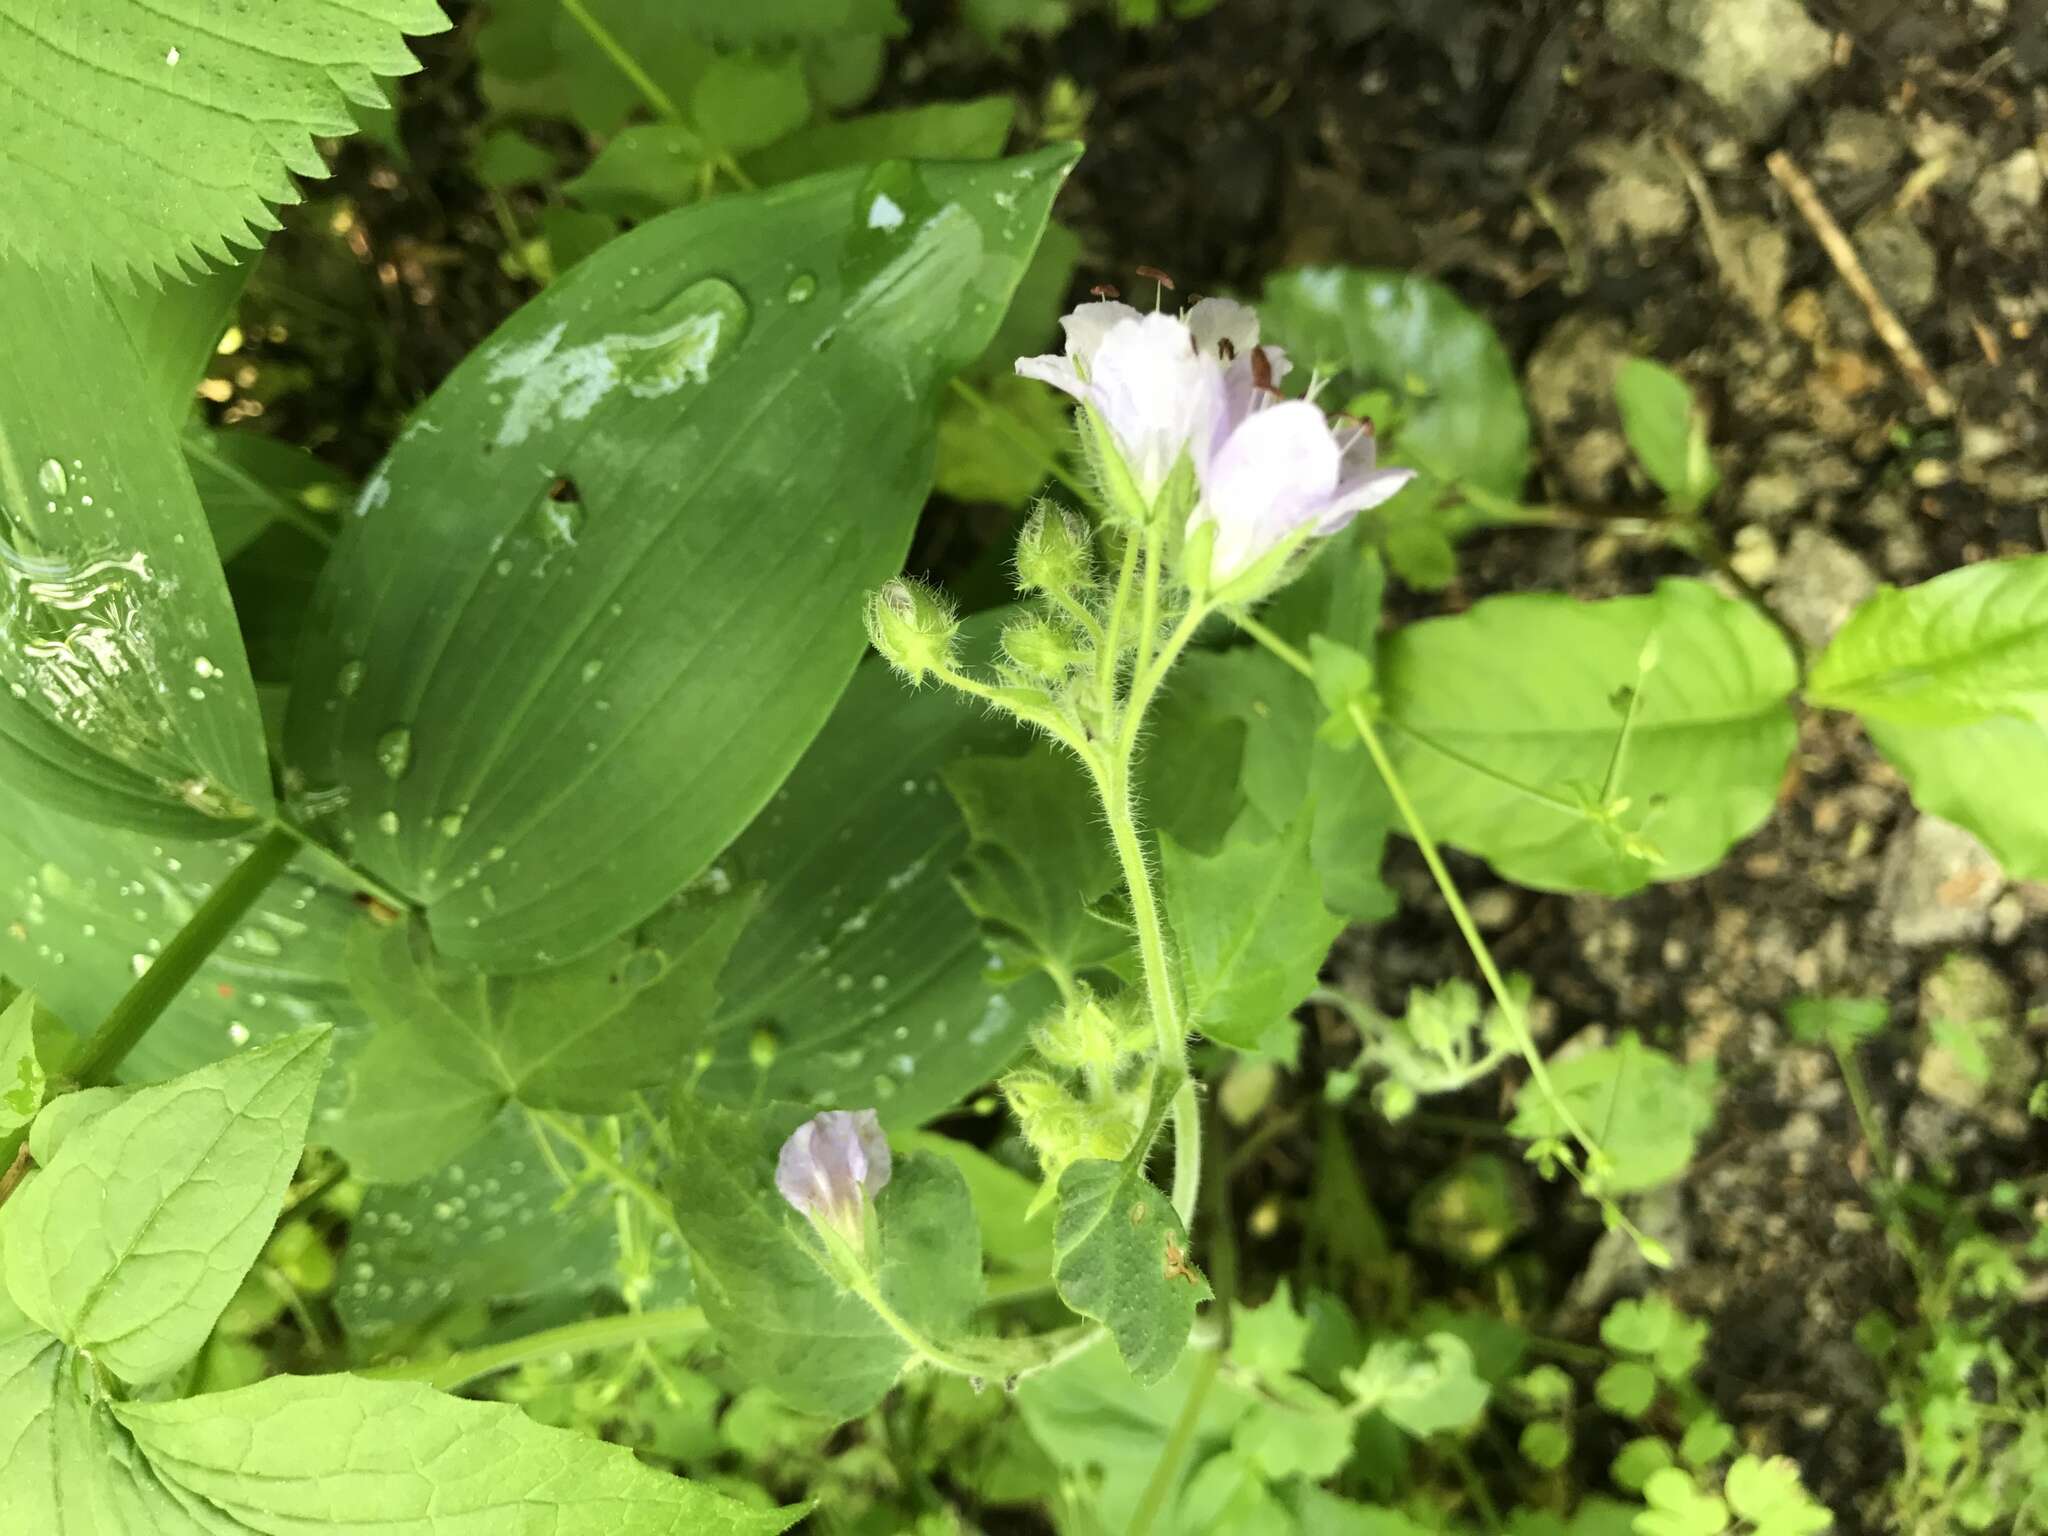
(1199, 385)
(831, 1165)
(1280, 469)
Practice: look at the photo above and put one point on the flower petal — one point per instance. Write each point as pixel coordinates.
(1059, 372)
(1157, 395)
(1356, 496)
(1088, 325)
(1212, 322)
(1275, 473)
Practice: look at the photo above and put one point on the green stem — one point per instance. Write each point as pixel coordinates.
(1166, 1473)
(1113, 788)
(1496, 984)
(204, 932)
(1112, 655)
(581, 1338)
(615, 1171)
(650, 88)
(1148, 681)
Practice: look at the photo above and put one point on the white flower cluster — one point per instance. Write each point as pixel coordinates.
(1197, 388)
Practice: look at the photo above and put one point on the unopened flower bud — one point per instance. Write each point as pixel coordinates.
(1041, 648)
(912, 627)
(831, 1167)
(1055, 553)
(1089, 1034)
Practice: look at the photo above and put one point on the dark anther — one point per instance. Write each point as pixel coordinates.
(1229, 352)
(1104, 290)
(1262, 370)
(1157, 276)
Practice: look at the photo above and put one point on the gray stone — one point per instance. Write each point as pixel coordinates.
(1860, 143)
(1938, 886)
(1753, 57)
(1970, 1056)
(1569, 384)
(1818, 581)
(2007, 197)
(1899, 260)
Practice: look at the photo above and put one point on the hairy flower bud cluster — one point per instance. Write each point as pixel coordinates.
(1086, 1096)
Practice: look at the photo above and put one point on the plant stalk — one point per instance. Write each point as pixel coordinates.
(580, 1338)
(156, 988)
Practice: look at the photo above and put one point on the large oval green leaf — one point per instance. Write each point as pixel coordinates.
(606, 588)
(1508, 723)
(124, 692)
(1964, 647)
(864, 979)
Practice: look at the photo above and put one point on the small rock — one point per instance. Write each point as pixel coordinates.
(1570, 388)
(1643, 200)
(1939, 884)
(1899, 260)
(1949, 147)
(1860, 143)
(2007, 197)
(1818, 583)
(1970, 1056)
(1495, 909)
(1755, 555)
(1761, 255)
(1753, 57)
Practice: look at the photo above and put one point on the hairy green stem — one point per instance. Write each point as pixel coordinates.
(580, 1338)
(1460, 915)
(1113, 788)
(204, 932)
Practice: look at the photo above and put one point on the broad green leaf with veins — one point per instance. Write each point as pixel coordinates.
(781, 1320)
(1984, 777)
(329, 1452)
(493, 1225)
(1288, 770)
(1507, 723)
(1641, 1107)
(1252, 930)
(453, 1047)
(1120, 1254)
(183, 1181)
(1038, 860)
(141, 139)
(125, 696)
(33, 1044)
(552, 662)
(1948, 679)
(1966, 647)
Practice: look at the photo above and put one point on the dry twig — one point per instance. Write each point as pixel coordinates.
(1806, 198)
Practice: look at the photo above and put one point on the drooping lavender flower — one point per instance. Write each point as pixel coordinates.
(831, 1166)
